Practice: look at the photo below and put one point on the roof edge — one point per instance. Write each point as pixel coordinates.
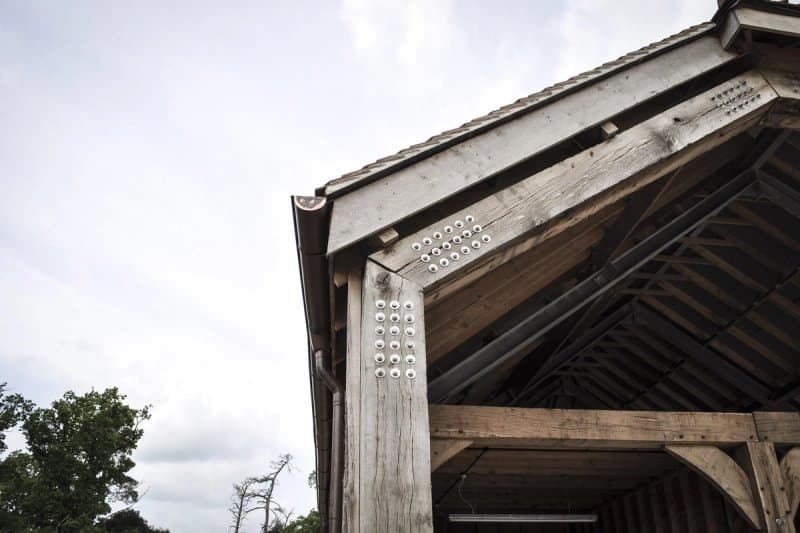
(408, 156)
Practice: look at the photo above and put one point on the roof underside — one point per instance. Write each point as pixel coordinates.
(709, 323)
(731, 288)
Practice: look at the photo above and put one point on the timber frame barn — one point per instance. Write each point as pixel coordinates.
(582, 306)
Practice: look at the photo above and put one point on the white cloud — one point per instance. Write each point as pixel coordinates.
(596, 31)
(416, 33)
(148, 155)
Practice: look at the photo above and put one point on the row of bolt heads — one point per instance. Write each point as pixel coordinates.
(380, 344)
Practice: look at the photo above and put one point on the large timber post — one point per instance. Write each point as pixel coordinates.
(769, 487)
(387, 464)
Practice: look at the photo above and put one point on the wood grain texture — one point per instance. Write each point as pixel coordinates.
(768, 487)
(790, 471)
(382, 203)
(745, 18)
(388, 459)
(484, 301)
(545, 204)
(588, 429)
(444, 450)
(778, 428)
(352, 408)
(722, 472)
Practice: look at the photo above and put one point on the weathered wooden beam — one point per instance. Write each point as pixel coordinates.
(387, 467)
(519, 217)
(778, 428)
(779, 193)
(534, 327)
(741, 19)
(719, 469)
(766, 480)
(442, 450)
(385, 201)
(515, 427)
(790, 470)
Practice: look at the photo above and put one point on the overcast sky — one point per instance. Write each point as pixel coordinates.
(147, 153)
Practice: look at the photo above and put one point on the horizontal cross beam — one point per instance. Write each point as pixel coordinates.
(517, 427)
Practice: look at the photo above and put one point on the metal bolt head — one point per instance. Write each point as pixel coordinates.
(394, 304)
(433, 269)
(394, 345)
(486, 238)
(380, 304)
(410, 359)
(394, 358)
(394, 317)
(380, 330)
(410, 332)
(395, 373)
(380, 317)
(394, 330)
(459, 224)
(408, 305)
(427, 241)
(437, 234)
(425, 258)
(446, 245)
(379, 357)
(416, 247)
(411, 373)
(380, 372)
(448, 229)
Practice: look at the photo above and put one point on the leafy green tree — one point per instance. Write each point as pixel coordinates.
(13, 409)
(309, 523)
(127, 521)
(78, 459)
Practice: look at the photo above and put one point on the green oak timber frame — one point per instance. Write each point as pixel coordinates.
(598, 302)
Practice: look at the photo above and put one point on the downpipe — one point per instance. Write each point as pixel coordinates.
(337, 440)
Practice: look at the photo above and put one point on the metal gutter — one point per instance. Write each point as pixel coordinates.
(311, 222)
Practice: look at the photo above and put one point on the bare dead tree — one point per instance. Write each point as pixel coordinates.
(240, 501)
(262, 492)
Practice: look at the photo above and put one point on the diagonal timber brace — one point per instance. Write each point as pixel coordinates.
(487, 358)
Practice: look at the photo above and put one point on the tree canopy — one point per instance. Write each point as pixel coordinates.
(77, 461)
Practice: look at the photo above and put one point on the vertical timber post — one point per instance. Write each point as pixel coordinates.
(387, 465)
(761, 464)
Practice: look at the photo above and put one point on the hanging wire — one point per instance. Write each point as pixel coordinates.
(464, 473)
(461, 482)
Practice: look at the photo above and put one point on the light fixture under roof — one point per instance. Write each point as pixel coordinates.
(526, 518)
